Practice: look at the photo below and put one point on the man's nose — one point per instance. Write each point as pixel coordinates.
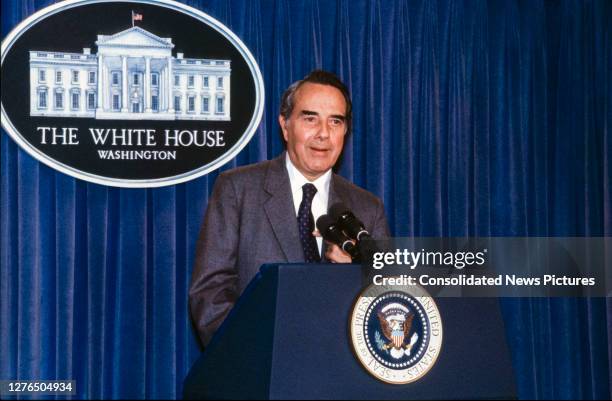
(324, 131)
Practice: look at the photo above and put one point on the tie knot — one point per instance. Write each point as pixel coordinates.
(309, 191)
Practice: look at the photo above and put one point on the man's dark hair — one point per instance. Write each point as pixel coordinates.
(317, 77)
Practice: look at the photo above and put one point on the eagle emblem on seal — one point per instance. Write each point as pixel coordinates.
(395, 323)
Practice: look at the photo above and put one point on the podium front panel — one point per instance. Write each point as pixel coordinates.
(288, 338)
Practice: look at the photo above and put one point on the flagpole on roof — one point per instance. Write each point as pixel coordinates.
(136, 17)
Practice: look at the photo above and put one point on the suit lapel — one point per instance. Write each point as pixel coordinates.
(280, 210)
(336, 192)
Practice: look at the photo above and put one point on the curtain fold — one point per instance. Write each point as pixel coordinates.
(471, 118)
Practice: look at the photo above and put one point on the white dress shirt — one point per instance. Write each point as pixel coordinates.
(319, 203)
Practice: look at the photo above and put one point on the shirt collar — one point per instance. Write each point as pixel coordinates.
(297, 180)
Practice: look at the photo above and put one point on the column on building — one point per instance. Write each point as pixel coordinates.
(166, 90)
(99, 95)
(170, 86)
(106, 105)
(147, 85)
(124, 90)
(162, 89)
(102, 91)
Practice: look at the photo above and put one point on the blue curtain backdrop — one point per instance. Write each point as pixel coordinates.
(471, 118)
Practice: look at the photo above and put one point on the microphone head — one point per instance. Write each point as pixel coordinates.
(338, 209)
(347, 221)
(329, 229)
(324, 222)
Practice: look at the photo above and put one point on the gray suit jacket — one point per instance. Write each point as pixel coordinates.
(251, 221)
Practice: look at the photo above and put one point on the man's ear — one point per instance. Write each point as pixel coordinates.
(282, 122)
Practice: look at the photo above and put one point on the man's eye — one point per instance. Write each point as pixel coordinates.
(337, 122)
(310, 119)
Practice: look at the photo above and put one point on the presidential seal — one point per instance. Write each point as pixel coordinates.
(396, 332)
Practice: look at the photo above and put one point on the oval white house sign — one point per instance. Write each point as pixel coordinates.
(141, 93)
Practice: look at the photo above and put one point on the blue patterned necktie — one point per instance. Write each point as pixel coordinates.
(306, 225)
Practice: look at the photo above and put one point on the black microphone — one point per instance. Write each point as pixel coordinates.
(350, 224)
(331, 232)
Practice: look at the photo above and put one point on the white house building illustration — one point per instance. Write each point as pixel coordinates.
(132, 77)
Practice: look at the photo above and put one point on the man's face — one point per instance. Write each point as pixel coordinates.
(316, 128)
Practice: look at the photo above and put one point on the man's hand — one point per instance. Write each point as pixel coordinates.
(334, 253)
(337, 255)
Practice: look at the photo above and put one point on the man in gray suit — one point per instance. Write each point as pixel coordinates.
(251, 216)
